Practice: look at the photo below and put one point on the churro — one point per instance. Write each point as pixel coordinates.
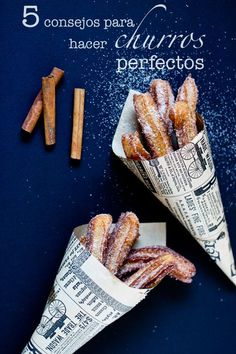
(124, 235)
(140, 268)
(153, 128)
(188, 92)
(129, 267)
(134, 148)
(166, 125)
(97, 235)
(146, 253)
(163, 95)
(184, 121)
(152, 271)
(149, 274)
(182, 269)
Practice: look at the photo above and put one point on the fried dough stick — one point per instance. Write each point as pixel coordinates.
(153, 128)
(163, 95)
(134, 148)
(123, 237)
(97, 236)
(165, 262)
(184, 123)
(188, 92)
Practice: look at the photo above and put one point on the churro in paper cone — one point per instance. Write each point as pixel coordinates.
(185, 182)
(86, 297)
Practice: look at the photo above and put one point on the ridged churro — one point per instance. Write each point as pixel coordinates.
(163, 95)
(146, 253)
(188, 92)
(163, 121)
(125, 233)
(178, 267)
(133, 147)
(140, 268)
(152, 271)
(182, 269)
(97, 236)
(184, 121)
(153, 128)
(129, 267)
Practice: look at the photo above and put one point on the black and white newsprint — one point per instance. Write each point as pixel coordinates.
(86, 297)
(185, 182)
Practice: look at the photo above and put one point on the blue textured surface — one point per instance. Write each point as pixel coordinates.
(44, 196)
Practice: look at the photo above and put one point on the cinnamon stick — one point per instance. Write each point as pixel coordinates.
(78, 122)
(37, 106)
(49, 109)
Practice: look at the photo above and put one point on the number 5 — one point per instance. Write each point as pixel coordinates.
(27, 13)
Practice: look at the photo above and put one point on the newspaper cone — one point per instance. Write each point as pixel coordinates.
(185, 182)
(86, 297)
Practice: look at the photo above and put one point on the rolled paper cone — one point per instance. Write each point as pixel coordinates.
(78, 122)
(37, 106)
(49, 109)
(185, 182)
(86, 297)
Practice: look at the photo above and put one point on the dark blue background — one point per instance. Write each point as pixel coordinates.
(44, 196)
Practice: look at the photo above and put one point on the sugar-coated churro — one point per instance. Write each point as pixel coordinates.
(178, 267)
(134, 148)
(129, 267)
(163, 95)
(166, 125)
(188, 92)
(140, 268)
(182, 269)
(184, 121)
(152, 271)
(125, 233)
(97, 235)
(153, 128)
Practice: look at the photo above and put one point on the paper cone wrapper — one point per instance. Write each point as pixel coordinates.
(86, 297)
(185, 182)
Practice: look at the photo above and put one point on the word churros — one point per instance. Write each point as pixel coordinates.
(139, 268)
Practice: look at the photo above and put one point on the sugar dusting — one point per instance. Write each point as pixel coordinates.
(108, 95)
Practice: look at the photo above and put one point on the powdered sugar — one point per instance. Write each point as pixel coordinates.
(107, 96)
